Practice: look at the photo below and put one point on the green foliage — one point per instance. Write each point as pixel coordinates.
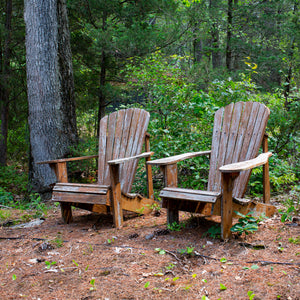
(92, 282)
(226, 91)
(284, 125)
(251, 295)
(58, 241)
(292, 206)
(181, 117)
(189, 251)
(50, 264)
(176, 226)
(245, 224)
(6, 198)
(84, 171)
(214, 231)
(160, 251)
(295, 241)
(14, 179)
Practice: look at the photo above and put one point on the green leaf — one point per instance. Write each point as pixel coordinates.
(14, 277)
(76, 264)
(146, 284)
(222, 287)
(92, 282)
(254, 267)
(251, 295)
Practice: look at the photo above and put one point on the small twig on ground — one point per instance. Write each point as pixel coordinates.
(171, 253)
(205, 256)
(265, 262)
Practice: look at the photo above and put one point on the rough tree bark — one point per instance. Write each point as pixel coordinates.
(52, 119)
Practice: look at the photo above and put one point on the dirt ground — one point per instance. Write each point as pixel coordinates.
(89, 259)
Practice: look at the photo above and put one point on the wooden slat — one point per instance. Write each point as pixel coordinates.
(182, 190)
(111, 130)
(138, 142)
(240, 183)
(102, 149)
(118, 134)
(82, 185)
(246, 165)
(233, 132)
(177, 158)
(126, 132)
(260, 130)
(187, 194)
(79, 197)
(135, 131)
(223, 143)
(253, 147)
(54, 161)
(125, 142)
(92, 189)
(128, 148)
(212, 186)
(242, 130)
(126, 159)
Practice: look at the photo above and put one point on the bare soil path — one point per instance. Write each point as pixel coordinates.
(89, 259)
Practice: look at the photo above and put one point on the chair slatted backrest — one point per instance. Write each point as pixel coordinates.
(237, 135)
(122, 134)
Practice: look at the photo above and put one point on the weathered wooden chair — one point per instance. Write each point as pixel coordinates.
(121, 138)
(239, 131)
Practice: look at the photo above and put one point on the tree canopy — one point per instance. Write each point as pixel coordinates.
(181, 59)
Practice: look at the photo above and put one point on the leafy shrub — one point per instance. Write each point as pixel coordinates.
(246, 223)
(181, 117)
(14, 179)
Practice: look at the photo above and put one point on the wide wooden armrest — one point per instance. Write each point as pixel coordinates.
(61, 160)
(176, 158)
(246, 165)
(125, 159)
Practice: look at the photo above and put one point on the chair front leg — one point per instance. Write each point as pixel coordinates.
(149, 169)
(226, 203)
(266, 178)
(170, 180)
(60, 169)
(116, 195)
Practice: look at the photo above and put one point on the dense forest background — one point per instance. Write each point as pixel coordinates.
(180, 60)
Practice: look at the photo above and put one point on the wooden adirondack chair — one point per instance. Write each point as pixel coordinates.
(239, 130)
(122, 135)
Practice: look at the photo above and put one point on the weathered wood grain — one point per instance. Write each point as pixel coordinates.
(237, 136)
(121, 138)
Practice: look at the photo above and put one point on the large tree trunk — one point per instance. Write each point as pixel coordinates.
(5, 84)
(52, 119)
